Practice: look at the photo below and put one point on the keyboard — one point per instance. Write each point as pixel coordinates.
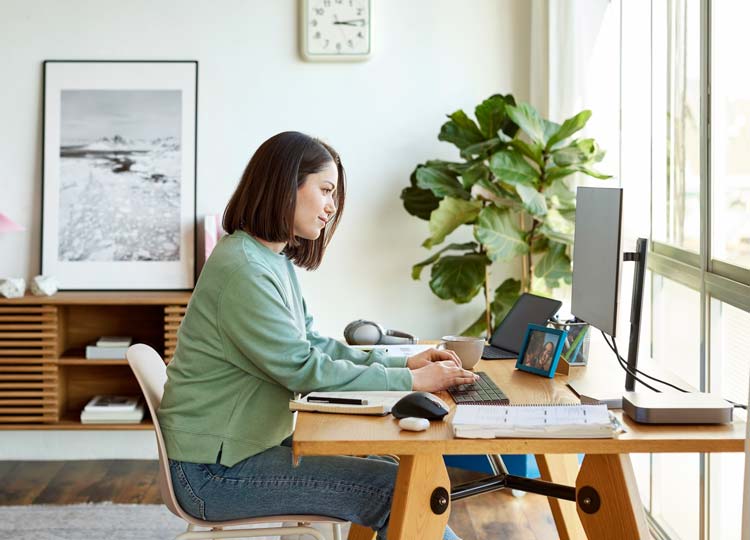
(482, 392)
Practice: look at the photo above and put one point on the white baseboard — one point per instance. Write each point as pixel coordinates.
(38, 445)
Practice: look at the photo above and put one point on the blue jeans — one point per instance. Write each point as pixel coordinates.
(350, 488)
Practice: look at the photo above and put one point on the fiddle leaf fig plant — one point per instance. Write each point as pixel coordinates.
(511, 188)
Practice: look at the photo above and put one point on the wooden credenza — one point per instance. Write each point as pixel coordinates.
(45, 379)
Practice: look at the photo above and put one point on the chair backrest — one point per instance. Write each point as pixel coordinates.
(151, 372)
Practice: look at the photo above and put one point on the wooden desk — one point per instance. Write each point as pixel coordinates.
(606, 467)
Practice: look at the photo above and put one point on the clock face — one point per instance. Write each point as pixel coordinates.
(336, 28)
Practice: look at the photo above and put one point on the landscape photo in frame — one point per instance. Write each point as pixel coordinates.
(119, 175)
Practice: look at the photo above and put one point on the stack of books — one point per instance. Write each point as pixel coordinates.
(113, 410)
(109, 348)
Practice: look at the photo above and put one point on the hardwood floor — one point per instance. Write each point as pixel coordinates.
(487, 517)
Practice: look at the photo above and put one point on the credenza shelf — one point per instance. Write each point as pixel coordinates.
(45, 379)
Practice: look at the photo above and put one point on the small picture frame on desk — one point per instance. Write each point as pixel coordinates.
(541, 350)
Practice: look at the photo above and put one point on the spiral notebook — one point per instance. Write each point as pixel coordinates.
(560, 421)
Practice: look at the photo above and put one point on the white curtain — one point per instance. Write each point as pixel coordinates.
(563, 39)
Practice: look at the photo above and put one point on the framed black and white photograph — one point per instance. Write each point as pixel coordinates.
(119, 174)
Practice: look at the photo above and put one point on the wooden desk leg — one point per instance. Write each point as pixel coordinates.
(420, 479)
(608, 501)
(360, 532)
(562, 469)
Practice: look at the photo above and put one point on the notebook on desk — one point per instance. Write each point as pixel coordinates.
(376, 402)
(561, 421)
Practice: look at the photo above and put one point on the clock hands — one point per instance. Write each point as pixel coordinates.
(351, 22)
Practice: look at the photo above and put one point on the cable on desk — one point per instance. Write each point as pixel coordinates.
(624, 366)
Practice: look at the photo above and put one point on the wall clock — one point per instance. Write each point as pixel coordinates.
(335, 30)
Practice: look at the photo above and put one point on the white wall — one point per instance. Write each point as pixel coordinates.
(430, 58)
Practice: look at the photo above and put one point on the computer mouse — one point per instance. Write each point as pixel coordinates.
(414, 424)
(420, 405)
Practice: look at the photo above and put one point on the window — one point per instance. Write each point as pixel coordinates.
(699, 302)
(730, 136)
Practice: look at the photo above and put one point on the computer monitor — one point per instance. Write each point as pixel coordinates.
(597, 258)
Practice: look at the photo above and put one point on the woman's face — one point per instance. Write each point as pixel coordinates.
(315, 202)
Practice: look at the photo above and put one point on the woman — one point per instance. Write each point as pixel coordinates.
(246, 346)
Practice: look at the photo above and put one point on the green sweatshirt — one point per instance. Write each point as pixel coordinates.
(244, 348)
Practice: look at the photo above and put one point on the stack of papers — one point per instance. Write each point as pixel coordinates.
(534, 421)
(109, 348)
(376, 403)
(113, 410)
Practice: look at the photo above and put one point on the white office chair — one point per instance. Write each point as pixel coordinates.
(151, 372)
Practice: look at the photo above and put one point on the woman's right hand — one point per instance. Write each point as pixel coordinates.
(438, 376)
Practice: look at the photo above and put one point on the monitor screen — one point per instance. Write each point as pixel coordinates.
(597, 256)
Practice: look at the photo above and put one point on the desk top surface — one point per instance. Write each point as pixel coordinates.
(334, 434)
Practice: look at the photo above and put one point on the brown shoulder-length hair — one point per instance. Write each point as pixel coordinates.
(264, 202)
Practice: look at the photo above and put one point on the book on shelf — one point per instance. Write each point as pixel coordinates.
(559, 421)
(122, 417)
(94, 352)
(373, 403)
(112, 403)
(104, 409)
(114, 341)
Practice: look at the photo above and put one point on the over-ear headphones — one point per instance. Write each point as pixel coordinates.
(361, 332)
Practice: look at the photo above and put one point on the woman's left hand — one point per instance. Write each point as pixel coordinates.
(432, 355)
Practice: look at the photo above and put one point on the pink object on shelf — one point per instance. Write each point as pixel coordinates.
(8, 225)
(212, 232)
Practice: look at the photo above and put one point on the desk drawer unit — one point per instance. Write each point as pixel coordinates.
(28, 364)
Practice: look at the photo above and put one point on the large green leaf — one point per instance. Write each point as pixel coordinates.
(441, 182)
(419, 202)
(492, 191)
(532, 151)
(558, 173)
(561, 191)
(578, 152)
(554, 267)
(458, 277)
(482, 149)
(456, 167)
(533, 201)
(499, 234)
(510, 167)
(450, 214)
(416, 270)
(491, 115)
(474, 174)
(557, 227)
(528, 119)
(550, 128)
(593, 173)
(460, 130)
(570, 126)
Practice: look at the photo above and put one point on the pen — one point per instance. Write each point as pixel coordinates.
(337, 400)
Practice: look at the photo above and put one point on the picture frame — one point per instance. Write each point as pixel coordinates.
(119, 161)
(541, 350)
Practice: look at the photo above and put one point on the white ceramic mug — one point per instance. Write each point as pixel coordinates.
(468, 348)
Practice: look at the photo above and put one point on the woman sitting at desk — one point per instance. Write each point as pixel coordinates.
(247, 345)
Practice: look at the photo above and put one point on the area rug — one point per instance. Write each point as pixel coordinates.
(103, 521)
